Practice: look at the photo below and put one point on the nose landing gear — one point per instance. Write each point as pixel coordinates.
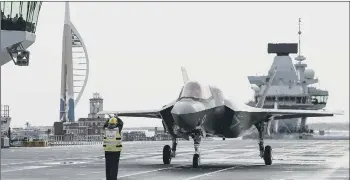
(196, 157)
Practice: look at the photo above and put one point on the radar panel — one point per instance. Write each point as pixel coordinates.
(282, 49)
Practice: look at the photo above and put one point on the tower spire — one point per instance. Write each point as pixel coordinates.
(66, 14)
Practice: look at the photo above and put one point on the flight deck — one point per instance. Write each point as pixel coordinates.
(225, 160)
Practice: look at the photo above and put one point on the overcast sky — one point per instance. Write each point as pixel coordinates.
(136, 51)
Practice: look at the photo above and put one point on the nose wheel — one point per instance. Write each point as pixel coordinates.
(196, 160)
(196, 157)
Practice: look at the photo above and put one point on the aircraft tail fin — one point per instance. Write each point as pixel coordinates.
(261, 101)
(184, 75)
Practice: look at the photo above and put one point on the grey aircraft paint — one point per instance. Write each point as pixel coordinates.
(203, 111)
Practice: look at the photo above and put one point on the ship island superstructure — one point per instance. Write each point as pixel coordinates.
(292, 88)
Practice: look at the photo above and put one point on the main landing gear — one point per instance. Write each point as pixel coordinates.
(265, 153)
(168, 152)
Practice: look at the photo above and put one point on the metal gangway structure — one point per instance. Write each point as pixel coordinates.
(75, 69)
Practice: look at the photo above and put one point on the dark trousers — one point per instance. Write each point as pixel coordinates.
(112, 165)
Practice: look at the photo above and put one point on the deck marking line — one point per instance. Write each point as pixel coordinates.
(146, 172)
(207, 174)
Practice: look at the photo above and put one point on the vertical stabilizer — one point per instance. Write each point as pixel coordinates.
(184, 75)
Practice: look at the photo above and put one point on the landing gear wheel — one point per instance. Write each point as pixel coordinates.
(196, 160)
(223, 139)
(268, 155)
(166, 154)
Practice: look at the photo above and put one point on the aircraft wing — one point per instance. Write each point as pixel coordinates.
(140, 113)
(292, 113)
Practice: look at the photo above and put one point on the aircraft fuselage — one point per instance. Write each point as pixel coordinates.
(209, 116)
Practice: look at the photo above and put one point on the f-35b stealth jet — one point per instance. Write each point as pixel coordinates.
(203, 111)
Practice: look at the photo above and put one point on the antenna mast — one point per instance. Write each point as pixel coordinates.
(299, 32)
(299, 57)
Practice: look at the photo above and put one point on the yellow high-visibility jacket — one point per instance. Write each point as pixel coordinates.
(112, 140)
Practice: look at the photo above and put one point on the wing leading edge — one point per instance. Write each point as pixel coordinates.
(143, 113)
(292, 113)
(140, 113)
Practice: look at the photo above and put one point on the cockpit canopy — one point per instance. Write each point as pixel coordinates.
(195, 90)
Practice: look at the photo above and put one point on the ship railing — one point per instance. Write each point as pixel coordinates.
(317, 87)
(64, 140)
(314, 100)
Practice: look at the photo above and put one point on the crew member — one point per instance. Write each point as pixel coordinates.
(112, 146)
(120, 123)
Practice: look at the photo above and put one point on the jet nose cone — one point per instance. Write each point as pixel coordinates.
(183, 107)
(185, 114)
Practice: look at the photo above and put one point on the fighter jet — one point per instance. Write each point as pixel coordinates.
(203, 111)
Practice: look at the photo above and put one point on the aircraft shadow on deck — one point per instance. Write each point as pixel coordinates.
(185, 166)
(216, 166)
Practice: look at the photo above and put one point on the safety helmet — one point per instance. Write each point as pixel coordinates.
(113, 121)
